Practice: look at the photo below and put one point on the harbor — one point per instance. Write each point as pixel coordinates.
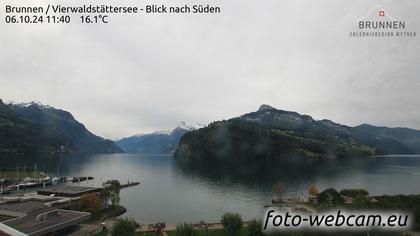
(36, 203)
(19, 180)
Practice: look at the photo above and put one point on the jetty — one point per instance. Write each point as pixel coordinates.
(130, 184)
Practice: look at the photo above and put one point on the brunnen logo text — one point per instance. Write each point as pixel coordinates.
(381, 26)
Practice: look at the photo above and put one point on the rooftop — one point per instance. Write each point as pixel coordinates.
(46, 222)
(18, 209)
(37, 215)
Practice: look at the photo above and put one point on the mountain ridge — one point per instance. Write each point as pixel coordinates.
(273, 133)
(58, 129)
(156, 142)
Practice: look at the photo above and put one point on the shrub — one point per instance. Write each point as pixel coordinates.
(185, 229)
(278, 189)
(232, 222)
(330, 196)
(312, 191)
(90, 202)
(255, 228)
(159, 227)
(361, 202)
(354, 193)
(123, 227)
(111, 191)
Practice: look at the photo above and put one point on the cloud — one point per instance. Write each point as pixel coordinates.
(148, 72)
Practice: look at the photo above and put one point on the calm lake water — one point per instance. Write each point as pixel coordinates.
(173, 194)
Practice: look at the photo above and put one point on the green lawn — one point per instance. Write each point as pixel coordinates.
(215, 232)
(211, 232)
(144, 234)
(103, 233)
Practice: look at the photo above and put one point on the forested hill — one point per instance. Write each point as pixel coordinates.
(33, 127)
(270, 133)
(160, 142)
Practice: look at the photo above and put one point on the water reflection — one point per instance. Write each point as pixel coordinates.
(174, 193)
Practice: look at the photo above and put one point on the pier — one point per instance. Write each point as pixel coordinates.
(129, 184)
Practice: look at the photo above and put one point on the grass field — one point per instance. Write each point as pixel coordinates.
(211, 232)
(215, 232)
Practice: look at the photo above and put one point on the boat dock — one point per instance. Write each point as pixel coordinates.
(129, 184)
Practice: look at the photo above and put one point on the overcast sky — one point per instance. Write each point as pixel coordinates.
(149, 72)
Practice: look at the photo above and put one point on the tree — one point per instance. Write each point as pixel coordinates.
(90, 202)
(124, 227)
(278, 189)
(255, 228)
(330, 196)
(312, 191)
(113, 188)
(361, 202)
(185, 229)
(232, 222)
(354, 193)
(104, 197)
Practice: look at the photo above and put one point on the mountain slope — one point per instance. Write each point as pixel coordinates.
(155, 143)
(408, 137)
(270, 133)
(18, 134)
(59, 130)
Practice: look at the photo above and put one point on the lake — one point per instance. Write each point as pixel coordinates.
(174, 194)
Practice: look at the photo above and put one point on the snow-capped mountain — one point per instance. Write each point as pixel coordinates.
(35, 127)
(187, 126)
(29, 104)
(159, 142)
(164, 132)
